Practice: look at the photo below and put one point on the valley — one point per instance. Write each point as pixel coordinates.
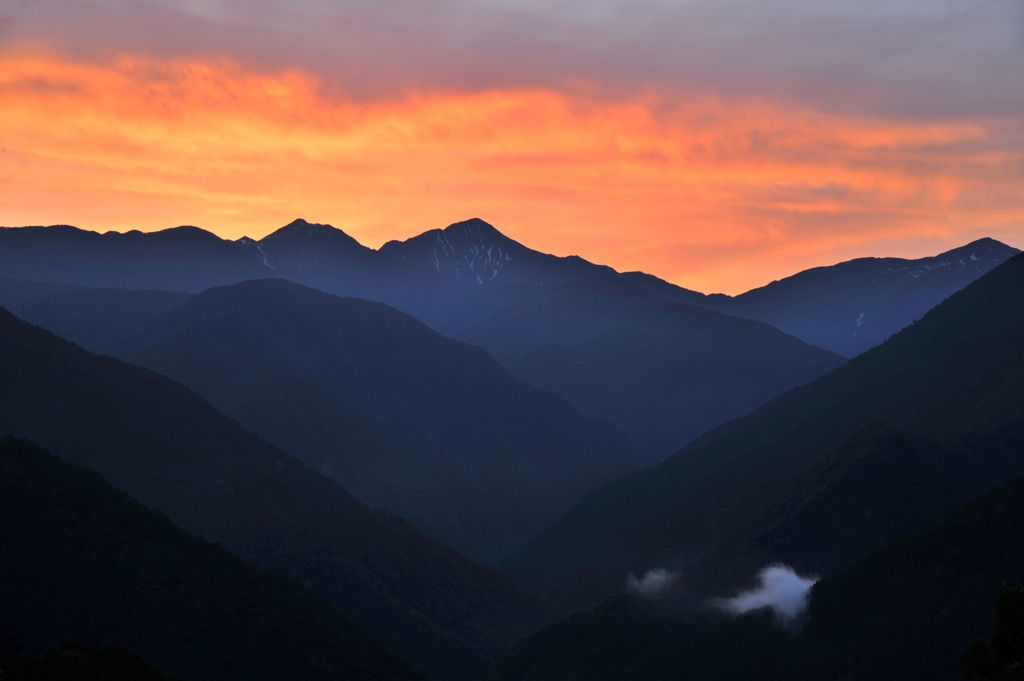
(458, 458)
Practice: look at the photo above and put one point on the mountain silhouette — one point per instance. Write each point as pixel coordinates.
(167, 447)
(406, 419)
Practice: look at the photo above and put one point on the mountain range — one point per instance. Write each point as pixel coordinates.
(167, 447)
(688, 371)
(406, 419)
(847, 308)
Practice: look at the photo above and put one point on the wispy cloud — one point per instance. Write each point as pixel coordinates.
(921, 56)
(654, 584)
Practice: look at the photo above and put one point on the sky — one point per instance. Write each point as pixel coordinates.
(718, 144)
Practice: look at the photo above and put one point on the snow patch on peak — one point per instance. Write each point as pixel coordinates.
(263, 253)
(473, 247)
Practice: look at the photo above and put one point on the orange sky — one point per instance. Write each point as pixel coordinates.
(713, 191)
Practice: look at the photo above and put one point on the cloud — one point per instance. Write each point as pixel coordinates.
(917, 56)
(653, 584)
(712, 193)
(781, 590)
(719, 144)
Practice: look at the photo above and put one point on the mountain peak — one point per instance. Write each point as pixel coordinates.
(984, 247)
(300, 225)
(474, 226)
(471, 249)
(302, 228)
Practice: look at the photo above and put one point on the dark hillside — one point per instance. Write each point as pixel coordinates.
(86, 562)
(406, 419)
(170, 449)
(954, 381)
(904, 612)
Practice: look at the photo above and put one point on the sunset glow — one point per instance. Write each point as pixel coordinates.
(717, 192)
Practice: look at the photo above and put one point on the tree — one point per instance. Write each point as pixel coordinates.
(1002, 657)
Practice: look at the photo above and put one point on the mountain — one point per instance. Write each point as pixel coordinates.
(819, 475)
(853, 306)
(663, 372)
(406, 419)
(476, 252)
(85, 561)
(903, 612)
(167, 447)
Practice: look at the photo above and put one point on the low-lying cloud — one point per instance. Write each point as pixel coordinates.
(653, 584)
(781, 589)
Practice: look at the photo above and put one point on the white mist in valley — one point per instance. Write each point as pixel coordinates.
(653, 584)
(781, 589)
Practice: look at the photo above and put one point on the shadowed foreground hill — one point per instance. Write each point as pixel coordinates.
(84, 561)
(904, 612)
(406, 419)
(821, 475)
(170, 449)
(76, 661)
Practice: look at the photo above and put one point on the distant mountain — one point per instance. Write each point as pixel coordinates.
(664, 372)
(170, 449)
(85, 562)
(406, 419)
(903, 612)
(853, 306)
(846, 308)
(455, 260)
(180, 259)
(820, 475)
